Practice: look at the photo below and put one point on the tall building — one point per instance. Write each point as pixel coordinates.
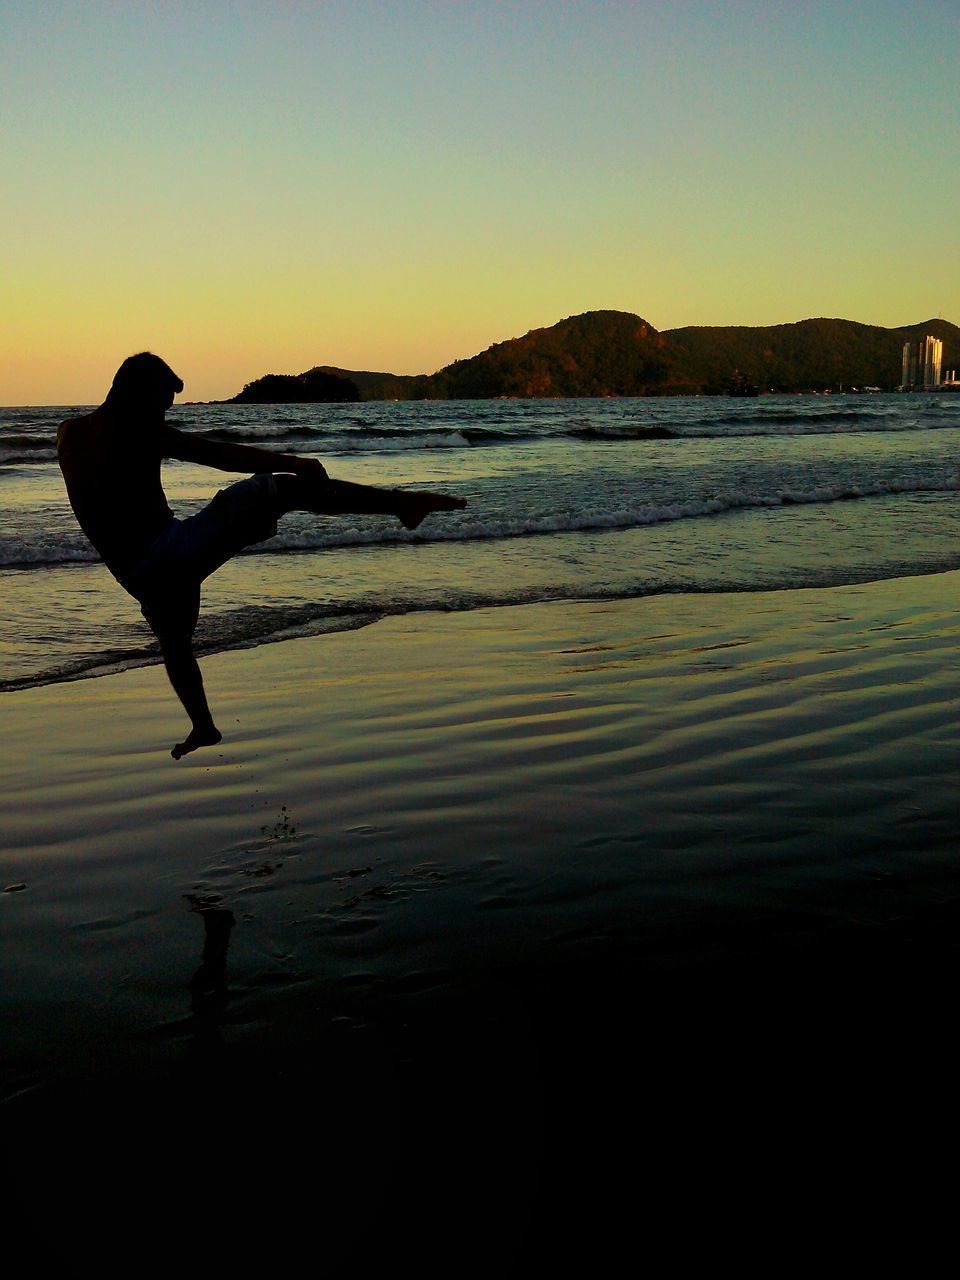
(908, 375)
(932, 358)
(921, 363)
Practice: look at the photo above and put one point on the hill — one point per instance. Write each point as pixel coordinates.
(810, 355)
(383, 386)
(616, 353)
(601, 353)
(313, 387)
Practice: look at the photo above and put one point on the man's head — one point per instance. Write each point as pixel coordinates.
(144, 382)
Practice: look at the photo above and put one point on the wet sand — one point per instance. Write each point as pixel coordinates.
(498, 941)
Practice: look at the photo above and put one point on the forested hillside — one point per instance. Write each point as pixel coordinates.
(616, 353)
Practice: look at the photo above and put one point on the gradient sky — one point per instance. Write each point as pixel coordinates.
(260, 187)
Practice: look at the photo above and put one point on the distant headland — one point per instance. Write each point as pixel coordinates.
(615, 353)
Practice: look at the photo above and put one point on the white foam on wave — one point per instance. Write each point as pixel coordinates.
(16, 554)
(301, 535)
(359, 443)
(458, 528)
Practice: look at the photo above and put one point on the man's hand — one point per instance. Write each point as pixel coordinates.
(311, 469)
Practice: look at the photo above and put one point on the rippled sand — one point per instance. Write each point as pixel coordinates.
(506, 922)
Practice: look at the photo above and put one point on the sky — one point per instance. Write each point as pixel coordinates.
(254, 187)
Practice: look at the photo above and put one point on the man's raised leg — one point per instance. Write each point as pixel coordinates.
(327, 497)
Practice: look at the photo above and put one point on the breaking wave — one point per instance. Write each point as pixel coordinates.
(356, 532)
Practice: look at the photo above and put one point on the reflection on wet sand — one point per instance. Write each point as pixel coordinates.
(209, 984)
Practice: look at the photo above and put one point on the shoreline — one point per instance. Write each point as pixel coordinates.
(483, 904)
(365, 617)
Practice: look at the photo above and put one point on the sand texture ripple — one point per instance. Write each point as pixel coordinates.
(512, 920)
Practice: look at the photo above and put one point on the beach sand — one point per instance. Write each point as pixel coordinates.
(517, 937)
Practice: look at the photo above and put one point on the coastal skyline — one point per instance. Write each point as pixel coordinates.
(253, 188)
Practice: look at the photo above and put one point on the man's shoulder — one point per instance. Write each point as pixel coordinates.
(77, 425)
(68, 431)
(81, 435)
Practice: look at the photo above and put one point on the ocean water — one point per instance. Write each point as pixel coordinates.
(577, 499)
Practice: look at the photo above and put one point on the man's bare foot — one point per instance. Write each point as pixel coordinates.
(197, 738)
(416, 507)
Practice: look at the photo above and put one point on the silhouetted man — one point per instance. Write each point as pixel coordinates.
(111, 460)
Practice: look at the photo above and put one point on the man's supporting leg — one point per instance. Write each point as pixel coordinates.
(184, 672)
(327, 497)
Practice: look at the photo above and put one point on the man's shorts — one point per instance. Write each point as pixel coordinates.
(167, 580)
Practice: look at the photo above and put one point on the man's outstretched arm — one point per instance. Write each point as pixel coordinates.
(223, 455)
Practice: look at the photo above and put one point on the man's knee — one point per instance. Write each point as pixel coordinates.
(172, 613)
(291, 493)
(176, 651)
(302, 492)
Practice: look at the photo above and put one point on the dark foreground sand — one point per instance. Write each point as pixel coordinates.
(519, 939)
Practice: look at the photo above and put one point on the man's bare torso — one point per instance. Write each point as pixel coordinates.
(111, 467)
